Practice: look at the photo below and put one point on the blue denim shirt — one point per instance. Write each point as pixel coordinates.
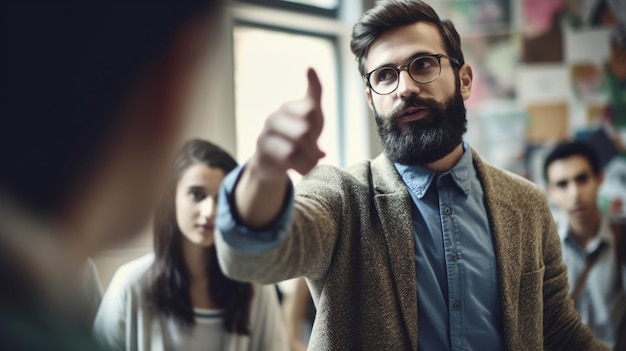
(244, 239)
(457, 287)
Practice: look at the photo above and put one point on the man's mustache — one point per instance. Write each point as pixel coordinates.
(414, 101)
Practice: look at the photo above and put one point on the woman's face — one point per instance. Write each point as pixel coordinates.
(196, 202)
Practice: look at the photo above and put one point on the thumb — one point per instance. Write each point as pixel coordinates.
(314, 87)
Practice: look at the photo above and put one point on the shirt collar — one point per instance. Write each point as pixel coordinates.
(418, 179)
(604, 236)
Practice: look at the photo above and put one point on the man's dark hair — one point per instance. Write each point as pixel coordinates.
(569, 149)
(66, 70)
(391, 14)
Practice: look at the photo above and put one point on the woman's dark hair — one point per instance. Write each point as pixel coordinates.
(169, 287)
(391, 14)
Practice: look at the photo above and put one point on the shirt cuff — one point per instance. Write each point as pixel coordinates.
(251, 241)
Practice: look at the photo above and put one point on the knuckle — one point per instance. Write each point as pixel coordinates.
(285, 106)
(269, 124)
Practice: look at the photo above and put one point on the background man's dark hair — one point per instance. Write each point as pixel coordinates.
(391, 14)
(569, 149)
(66, 71)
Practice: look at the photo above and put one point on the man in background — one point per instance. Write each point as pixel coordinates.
(591, 247)
(93, 97)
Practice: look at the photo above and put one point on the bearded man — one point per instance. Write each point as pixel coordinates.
(425, 240)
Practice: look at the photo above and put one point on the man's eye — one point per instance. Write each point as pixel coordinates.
(384, 76)
(582, 179)
(422, 64)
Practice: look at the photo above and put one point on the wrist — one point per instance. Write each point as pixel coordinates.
(264, 171)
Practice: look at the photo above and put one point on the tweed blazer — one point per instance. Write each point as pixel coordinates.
(352, 238)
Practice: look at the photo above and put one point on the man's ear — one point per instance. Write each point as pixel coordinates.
(466, 76)
(600, 178)
(368, 96)
(549, 190)
(547, 185)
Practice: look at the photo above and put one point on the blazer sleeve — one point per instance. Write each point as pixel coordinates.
(311, 235)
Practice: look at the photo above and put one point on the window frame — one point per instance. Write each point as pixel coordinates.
(296, 7)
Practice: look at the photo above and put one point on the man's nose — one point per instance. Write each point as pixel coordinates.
(406, 86)
(574, 190)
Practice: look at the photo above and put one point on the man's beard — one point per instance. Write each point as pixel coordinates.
(426, 140)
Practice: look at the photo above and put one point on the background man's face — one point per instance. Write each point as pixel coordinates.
(573, 186)
(417, 123)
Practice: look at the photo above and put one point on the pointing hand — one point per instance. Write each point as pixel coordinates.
(289, 137)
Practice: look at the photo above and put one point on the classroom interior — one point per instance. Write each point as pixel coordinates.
(544, 71)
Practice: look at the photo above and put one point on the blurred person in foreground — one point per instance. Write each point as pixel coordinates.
(93, 99)
(177, 298)
(426, 247)
(592, 249)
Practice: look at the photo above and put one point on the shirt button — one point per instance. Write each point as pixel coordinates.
(454, 256)
(447, 211)
(456, 305)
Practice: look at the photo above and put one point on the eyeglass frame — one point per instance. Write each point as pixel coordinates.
(405, 67)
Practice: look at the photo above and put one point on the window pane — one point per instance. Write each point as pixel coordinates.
(270, 69)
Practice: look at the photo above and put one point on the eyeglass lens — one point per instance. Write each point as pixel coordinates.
(423, 70)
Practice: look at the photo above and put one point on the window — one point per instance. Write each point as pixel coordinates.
(270, 68)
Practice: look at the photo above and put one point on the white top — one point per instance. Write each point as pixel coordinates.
(207, 335)
(127, 321)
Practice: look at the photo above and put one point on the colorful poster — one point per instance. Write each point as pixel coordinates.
(478, 15)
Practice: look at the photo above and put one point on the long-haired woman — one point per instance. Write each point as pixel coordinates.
(177, 298)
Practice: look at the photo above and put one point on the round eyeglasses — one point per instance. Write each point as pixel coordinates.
(423, 69)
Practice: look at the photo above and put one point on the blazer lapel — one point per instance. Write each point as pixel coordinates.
(394, 211)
